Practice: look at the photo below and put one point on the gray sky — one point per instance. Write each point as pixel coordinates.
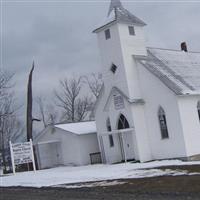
(57, 35)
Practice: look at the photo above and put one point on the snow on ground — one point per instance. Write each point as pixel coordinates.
(92, 184)
(91, 173)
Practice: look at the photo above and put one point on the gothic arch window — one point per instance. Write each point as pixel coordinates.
(163, 123)
(109, 129)
(108, 125)
(122, 122)
(198, 109)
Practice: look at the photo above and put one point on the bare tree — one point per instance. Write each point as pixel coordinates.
(69, 99)
(42, 111)
(83, 108)
(8, 109)
(18, 130)
(47, 112)
(52, 115)
(94, 82)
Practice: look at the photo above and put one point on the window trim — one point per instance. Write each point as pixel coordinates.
(111, 140)
(163, 127)
(107, 34)
(108, 125)
(113, 68)
(131, 30)
(109, 129)
(198, 109)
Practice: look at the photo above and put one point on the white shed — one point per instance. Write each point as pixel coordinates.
(68, 144)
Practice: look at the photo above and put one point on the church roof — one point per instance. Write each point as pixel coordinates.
(178, 70)
(117, 13)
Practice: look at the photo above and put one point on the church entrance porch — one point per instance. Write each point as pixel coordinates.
(126, 145)
(125, 138)
(117, 146)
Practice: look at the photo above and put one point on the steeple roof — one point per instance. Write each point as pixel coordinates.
(117, 13)
(114, 4)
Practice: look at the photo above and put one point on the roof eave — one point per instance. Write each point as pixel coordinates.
(132, 22)
(188, 94)
(88, 133)
(136, 101)
(97, 30)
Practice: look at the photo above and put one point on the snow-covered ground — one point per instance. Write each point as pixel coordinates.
(91, 173)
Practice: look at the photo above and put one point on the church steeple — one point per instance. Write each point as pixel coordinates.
(120, 36)
(118, 14)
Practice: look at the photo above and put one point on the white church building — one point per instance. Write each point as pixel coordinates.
(149, 105)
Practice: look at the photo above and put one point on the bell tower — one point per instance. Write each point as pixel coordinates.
(120, 37)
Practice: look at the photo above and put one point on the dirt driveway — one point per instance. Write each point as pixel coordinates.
(156, 188)
(159, 188)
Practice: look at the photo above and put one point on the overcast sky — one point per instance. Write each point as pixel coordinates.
(58, 35)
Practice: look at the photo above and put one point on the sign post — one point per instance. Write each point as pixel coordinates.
(22, 153)
(12, 157)
(33, 157)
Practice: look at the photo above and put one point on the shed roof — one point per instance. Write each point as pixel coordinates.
(178, 70)
(79, 128)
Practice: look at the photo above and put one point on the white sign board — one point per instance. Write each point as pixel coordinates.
(118, 101)
(22, 153)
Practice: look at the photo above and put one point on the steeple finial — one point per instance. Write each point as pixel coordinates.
(114, 4)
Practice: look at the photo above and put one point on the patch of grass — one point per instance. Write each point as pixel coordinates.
(188, 168)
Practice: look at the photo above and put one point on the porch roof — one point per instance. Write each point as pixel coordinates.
(117, 131)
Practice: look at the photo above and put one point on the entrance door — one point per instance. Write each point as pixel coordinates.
(128, 145)
(49, 154)
(125, 139)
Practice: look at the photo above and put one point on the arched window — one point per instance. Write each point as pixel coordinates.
(198, 109)
(123, 123)
(109, 129)
(163, 123)
(108, 125)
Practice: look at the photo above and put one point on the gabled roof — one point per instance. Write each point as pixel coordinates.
(79, 128)
(131, 101)
(117, 13)
(178, 70)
